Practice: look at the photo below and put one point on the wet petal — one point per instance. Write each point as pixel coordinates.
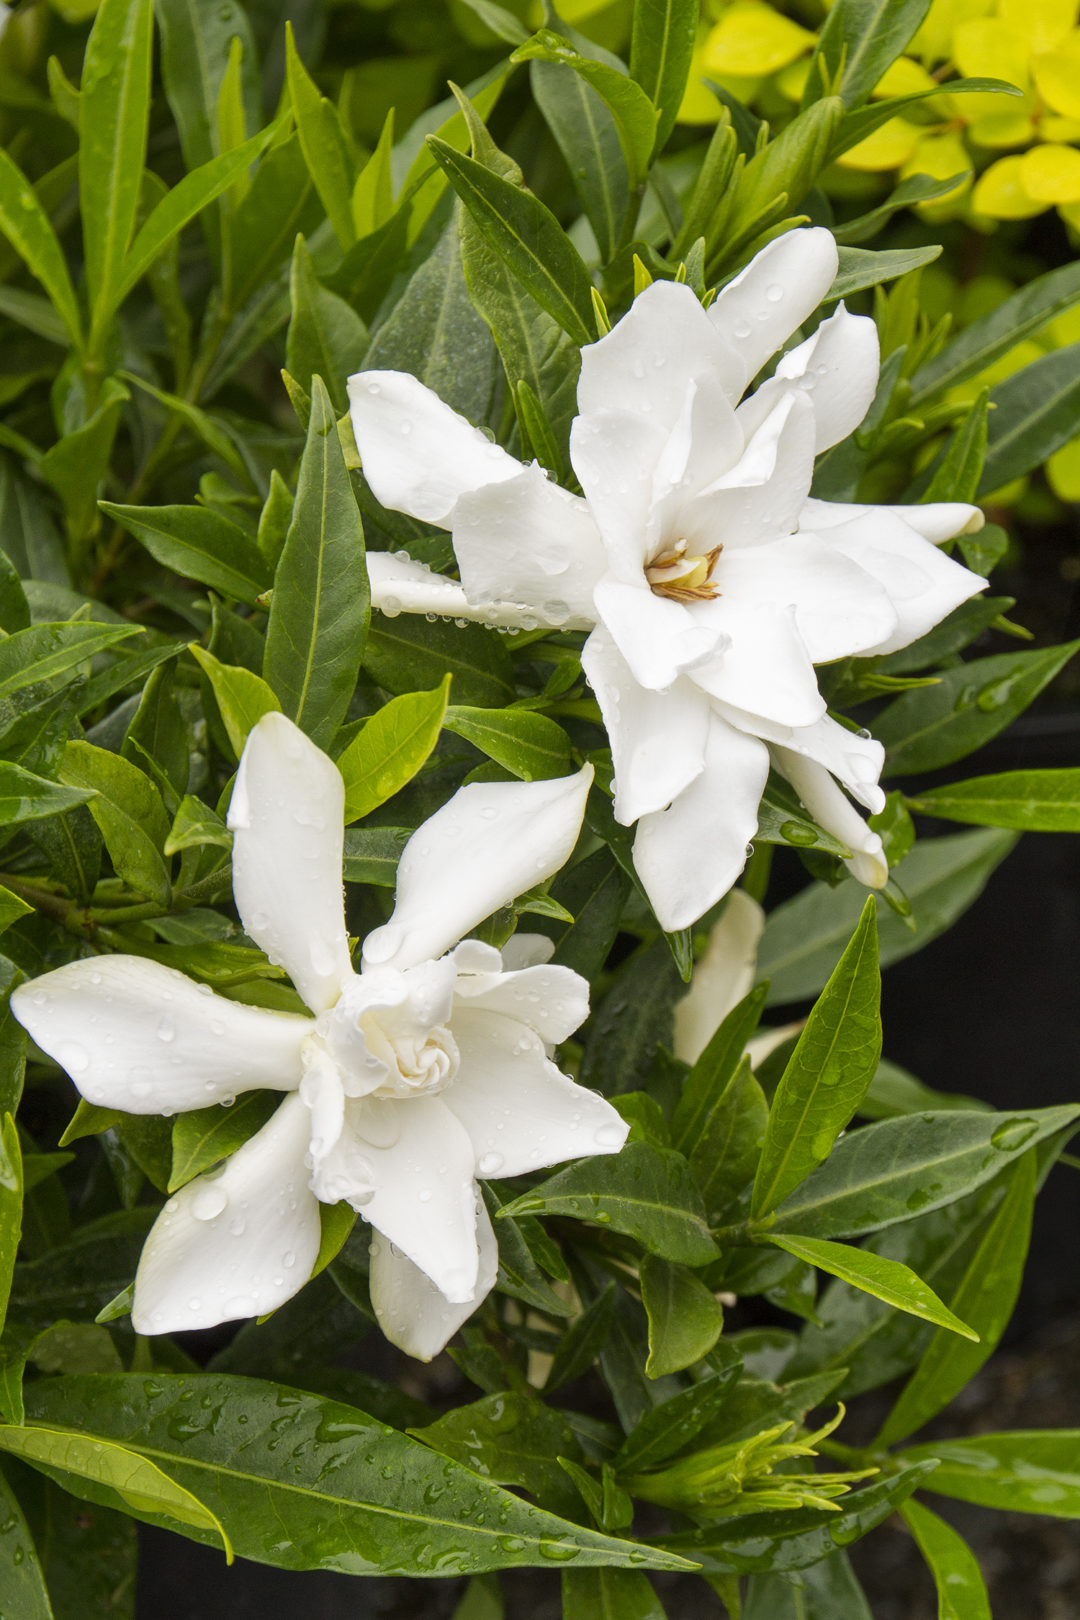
(854, 757)
(419, 456)
(658, 638)
(936, 521)
(833, 811)
(761, 497)
(526, 950)
(412, 1313)
(783, 284)
(723, 975)
(837, 370)
(615, 455)
(143, 1038)
(766, 669)
(552, 1000)
(490, 843)
(690, 855)
(657, 738)
(237, 1243)
(840, 607)
(287, 815)
(520, 1111)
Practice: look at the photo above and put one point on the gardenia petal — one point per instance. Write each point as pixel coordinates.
(766, 666)
(854, 757)
(837, 370)
(287, 815)
(526, 950)
(490, 843)
(647, 359)
(723, 975)
(658, 638)
(418, 455)
(552, 1000)
(412, 1313)
(146, 1039)
(530, 541)
(689, 855)
(762, 495)
(657, 738)
(615, 454)
(780, 287)
(237, 1243)
(834, 812)
(520, 1111)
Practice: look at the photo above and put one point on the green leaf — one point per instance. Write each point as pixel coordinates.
(984, 1297)
(327, 338)
(527, 237)
(323, 142)
(894, 1092)
(661, 49)
(795, 1538)
(896, 1168)
(583, 1341)
(935, 725)
(628, 104)
(123, 1478)
(960, 1586)
(634, 1018)
(709, 1078)
(320, 607)
(321, 1513)
(861, 268)
(1034, 414)
(390, 748)
(645, 1191)
(242, 698)
(87, 1554)
(114, 114)
(372, 854)
(865, 120)
(588, 138)
(860, 40)
(994, 334)
(513, 1439)
(889, 1280)
(201, 1138)
(685, 1319)
(942, 878)
(1025, 1471)
(404, 653)
(22, 1581)
(915, 189)
(671, 1426)
(29, 230)
(1031, 801)
(196, 38)
(199, 544)
(26, 797)
(129, 813)
(609, 1594)
(828, 1073)
(727, 1150)
(529, 744)
(957, 477)
(76, 464)
(593, 892)
(11, 1206)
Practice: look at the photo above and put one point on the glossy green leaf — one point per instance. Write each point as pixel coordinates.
(76, 464)
(1025, 1471)
(513, 1439)
(1001, 329)
(527, 237)
(588, 138)
(644, 1191)
(893, 1091)
(670, 1427)
(319, 611)
(828, 1072)
(583, 1341)
(129, 813)
(11, 1206)
(529, 744)
(860, 40)
(200, 544)
(863, 121)
(29, 230)
(633, 1019)
(863, 267)
(897, 1168)
(628, 104)
(709, 1077)
(661, 48)
(593, 892)
(22, 1581)
(1031, 801)
(915, 189)
(889, 1280)
(206, 1135)
(323, 141)
(404, 653)
(942, 878)
(114, 115)
(26, 797)
(609, 1594)
(985, 1298)
(242, 697)
(1034, 414)
(829, 1590)
(957, 476)
(88, 1554)
(685, 1319)
(961, 1589)
(390, 748)
(321, 1513)
(726, 1150)
(196, 37)
(372, 854)
(935, 725)
(327, 338)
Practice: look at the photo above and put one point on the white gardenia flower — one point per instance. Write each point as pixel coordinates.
(724, 973)
(709, 579)
(427, 1068)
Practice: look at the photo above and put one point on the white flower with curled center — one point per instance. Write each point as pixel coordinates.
(709, 580)
(427, 1068)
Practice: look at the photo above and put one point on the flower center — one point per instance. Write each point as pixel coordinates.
(681, 577)
(390, 1045)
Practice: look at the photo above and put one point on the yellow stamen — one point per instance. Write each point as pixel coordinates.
(683, 578)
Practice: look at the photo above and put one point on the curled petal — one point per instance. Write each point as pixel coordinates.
(936, 521)
(287, 815)
(552, 1000)
(526, 951)
(833, 811)
(419, 456)
(528, 541)
(657, 738)
(722, 976)
(141, 1037)
(689, 855)
(837, 370)
(766, 668)
(490, 843)
(783, 284)
(762, 495)
(237, 1243)
(412, 1313)
(520, 1111)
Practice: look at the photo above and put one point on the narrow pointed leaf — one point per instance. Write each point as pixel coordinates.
(390, 749)
(960, 1586)
(1024, 1471)
(889, 1280)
